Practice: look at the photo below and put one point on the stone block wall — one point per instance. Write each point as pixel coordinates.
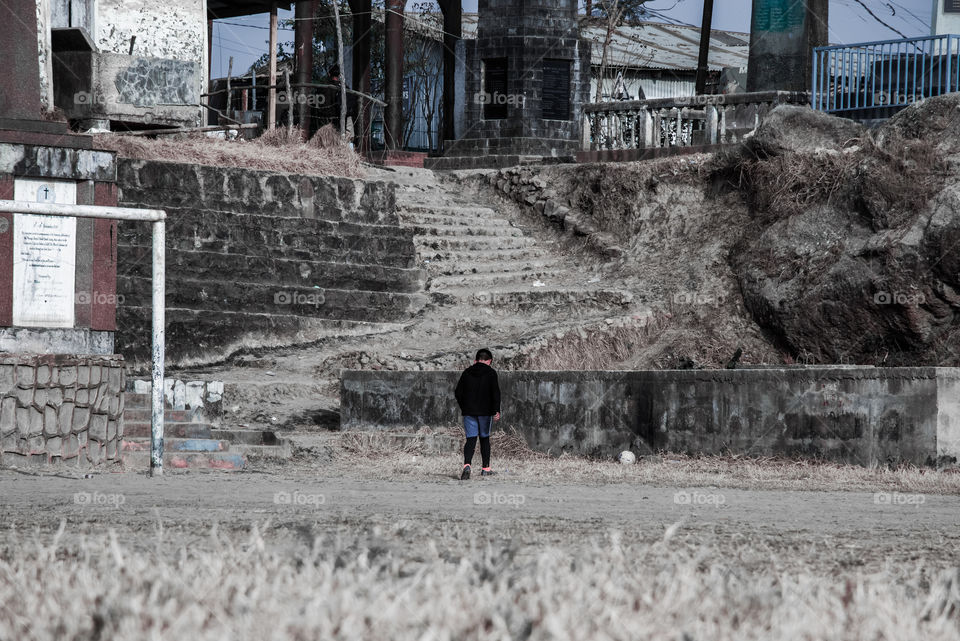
(858, 415)
(257, 259)
(61, 408)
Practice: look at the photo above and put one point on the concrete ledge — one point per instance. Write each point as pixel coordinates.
(863, 415)
(647, 153)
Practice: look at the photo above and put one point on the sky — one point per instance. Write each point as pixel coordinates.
(245, 38)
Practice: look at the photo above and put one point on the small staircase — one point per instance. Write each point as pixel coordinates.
(193, 439)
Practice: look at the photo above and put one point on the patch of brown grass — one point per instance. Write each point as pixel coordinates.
(276, 150)
(888, 181)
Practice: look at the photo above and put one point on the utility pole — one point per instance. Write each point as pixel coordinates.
(703, 68)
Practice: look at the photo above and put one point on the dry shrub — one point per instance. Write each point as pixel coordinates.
(789, 184)
(326, 137)
(276, 150)
(281, 137)
(888, 182)
(898, 178)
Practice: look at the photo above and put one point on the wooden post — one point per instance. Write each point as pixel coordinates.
(229, 108)
(272, 91)
(286, 81)
(343, 77)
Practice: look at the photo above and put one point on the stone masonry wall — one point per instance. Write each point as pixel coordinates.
(61, 408)
(258, 258)
(856, 415)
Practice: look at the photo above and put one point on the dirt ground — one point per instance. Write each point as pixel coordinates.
(886, 519)
(393, 545)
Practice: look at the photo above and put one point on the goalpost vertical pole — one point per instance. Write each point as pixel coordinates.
(159, 303)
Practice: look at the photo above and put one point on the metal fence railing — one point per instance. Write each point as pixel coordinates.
(877, 79)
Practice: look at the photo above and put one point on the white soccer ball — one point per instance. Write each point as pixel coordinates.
(626, 457)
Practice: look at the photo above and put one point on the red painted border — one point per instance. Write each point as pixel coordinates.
(6, 257)
(103, 316)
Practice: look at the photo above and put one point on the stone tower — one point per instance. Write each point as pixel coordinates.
(527, 78)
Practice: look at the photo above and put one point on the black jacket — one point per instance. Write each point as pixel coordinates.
(478, 391)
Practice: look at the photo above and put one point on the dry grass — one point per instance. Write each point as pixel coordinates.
(888, 181)
(274, 151)
(419, 580)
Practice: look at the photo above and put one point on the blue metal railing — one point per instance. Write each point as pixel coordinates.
(877, 79)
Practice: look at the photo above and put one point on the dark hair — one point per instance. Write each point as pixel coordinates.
(484, 355)
(334, 71)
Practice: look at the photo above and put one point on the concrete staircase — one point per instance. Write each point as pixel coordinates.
(194, 439)
(476, 256)
(487, 279)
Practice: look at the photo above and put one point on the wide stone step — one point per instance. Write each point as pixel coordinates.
(464, 211)
(346, 304)
(177, 461)
(469, 258)
(144, 413)
(442, 268)
(488, 280)
(204, 336)
(388, 245)
(436, 218)
(473, 243)
(279, 448)
(142, 430)
(545, 299)
(416, 218)
(208, 269)
(247, 437)
(443, 231)
(205, 221)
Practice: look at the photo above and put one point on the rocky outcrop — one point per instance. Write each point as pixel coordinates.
(855, 255)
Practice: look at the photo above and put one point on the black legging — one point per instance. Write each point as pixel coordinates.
(471, 445)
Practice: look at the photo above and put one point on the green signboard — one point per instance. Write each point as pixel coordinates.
(779, 16)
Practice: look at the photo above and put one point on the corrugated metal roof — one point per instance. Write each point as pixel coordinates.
(654, 45)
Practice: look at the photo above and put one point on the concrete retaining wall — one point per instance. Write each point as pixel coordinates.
(856, 415)
(60, 408)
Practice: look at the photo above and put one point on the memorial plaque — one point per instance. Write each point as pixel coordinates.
(951, 6)
(495, 98)
(44, 257)
(556, 90)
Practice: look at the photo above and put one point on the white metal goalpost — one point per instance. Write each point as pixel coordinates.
(157, 217)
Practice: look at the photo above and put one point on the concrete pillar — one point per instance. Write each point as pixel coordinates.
(452, 32)
(783, 34)
(20, 81)
(713, 120)
(945, 18)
